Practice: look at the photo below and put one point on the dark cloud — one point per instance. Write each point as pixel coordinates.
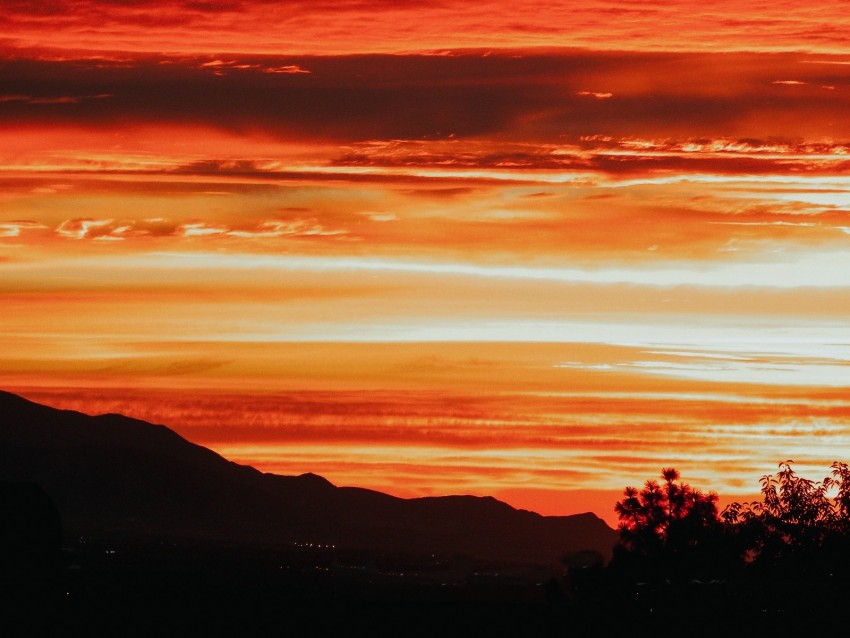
(223, 167)
(509, 96)
(343, 99)
(440, 193)
(58, 99)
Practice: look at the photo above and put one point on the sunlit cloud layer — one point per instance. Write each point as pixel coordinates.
(430, 247)
(382, 26)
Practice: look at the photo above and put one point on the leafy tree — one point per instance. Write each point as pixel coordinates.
(800, 525)
(840, 483)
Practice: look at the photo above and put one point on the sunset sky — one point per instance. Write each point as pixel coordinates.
(533, 250)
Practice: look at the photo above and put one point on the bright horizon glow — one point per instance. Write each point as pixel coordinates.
(814, 270)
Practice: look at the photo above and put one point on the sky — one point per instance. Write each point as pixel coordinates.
(536, 251)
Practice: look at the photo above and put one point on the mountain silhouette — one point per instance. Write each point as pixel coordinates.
(112, 475)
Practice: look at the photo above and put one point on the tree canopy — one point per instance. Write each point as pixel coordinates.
(669, 530)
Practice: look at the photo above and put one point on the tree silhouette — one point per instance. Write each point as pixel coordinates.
(667, 529)
(788, 551)
(800, 527)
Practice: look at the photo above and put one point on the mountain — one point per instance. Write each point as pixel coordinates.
(111, 474)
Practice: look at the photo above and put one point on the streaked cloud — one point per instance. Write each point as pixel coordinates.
(63, 99)
(222, 67)
(431, 247)
(380, 26)
(356, 98)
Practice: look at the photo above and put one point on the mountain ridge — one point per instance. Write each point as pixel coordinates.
(112, 474)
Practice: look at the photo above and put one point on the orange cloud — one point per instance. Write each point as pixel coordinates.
(381, 26)
(19, 228)
(416, 443)
(429, 248)
(598, 96)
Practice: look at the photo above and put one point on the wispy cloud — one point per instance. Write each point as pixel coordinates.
(62, 99)
(222, 67)
(598, 96)
(429, 247)
(19, 228)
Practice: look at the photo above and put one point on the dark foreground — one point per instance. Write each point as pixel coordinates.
(127, 587)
